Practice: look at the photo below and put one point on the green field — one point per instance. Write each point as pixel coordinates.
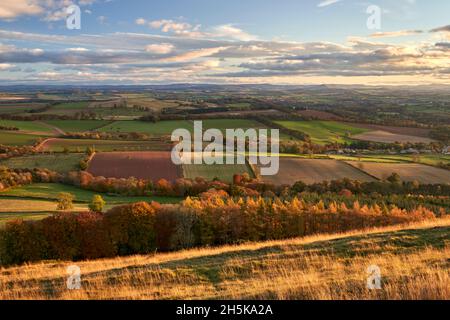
(77, 125)
(56, 162)
(158, 128)
(32, 126)
(11, 138)
(223, 124)
(50, 191)
(68, 108)
(224, 172)
(324, 132)
(166, 127)
(80, 145)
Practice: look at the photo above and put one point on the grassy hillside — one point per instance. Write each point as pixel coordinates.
(412, 260)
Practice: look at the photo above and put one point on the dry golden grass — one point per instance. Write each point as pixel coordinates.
(414, 263)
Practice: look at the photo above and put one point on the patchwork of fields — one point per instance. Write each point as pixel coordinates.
(325, 132)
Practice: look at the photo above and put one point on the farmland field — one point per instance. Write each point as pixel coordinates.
(77, 125)
(10, 138)
(323, 132)
(9, 205)
(314, 170)
(31, 126)
(143, 165)
(157, 128)
(55, 162)
(50, 191)
(167, 127)
(224, 172)
(67, 108)
(19, 108)
(80, 145)
(388, 137)
(407, 171)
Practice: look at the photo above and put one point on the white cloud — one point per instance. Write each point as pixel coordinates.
(230, 31)
(326, 3)
(176, 27)
(141, 21)
(10, 9)
(6, 66)
(162, 48)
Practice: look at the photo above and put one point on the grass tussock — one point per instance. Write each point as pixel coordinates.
(414, 261)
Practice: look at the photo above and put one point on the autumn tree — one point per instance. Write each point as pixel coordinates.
(65, 201)
(97, 203)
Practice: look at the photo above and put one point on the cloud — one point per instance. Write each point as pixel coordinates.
(141, 21)
(10, 9)
(50, 10)
(230, 31)
(196, 54)
(441, 29)
(176, 27)
(392, 34)
(6, 66)
(163, 48)
(327, 3)
(165, 57)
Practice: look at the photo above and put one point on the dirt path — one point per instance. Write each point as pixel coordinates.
(40, 146)
(55, 129)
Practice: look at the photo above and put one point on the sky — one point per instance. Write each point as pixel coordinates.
(225, 41)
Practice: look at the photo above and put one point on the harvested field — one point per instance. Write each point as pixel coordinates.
(407, 171)
(388, 137)
(80, 145)
(315, 170)
(142, 165)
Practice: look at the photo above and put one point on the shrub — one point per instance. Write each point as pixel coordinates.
(65, 201)
(97, 203)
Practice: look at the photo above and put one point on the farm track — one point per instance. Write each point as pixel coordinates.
(54, 128)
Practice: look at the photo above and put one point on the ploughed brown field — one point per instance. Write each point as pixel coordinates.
(315, 170)
(152, 165)
(407, 171)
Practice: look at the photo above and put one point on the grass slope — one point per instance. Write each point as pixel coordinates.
(412, 260)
